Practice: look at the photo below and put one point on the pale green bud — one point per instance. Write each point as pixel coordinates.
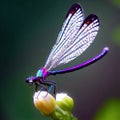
(64, 101)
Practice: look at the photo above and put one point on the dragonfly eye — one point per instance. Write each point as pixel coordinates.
(29, 80)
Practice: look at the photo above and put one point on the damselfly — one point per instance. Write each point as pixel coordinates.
(74, 38)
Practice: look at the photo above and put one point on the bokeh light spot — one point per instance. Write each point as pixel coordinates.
(109, 111)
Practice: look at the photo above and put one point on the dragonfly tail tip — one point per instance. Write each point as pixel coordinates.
(106, 49)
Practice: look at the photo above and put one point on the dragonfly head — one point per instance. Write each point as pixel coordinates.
(30, 80)
(40, 76)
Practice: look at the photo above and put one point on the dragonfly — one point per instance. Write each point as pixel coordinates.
(76, 35)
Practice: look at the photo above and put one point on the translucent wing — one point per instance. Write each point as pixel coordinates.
(71, 25)
(81, 41)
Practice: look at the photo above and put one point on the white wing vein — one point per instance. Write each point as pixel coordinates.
(65, 38)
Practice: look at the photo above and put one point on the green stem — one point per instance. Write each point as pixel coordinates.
(60, 114)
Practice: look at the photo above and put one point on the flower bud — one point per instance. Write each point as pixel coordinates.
(44, 102)
(64, 101)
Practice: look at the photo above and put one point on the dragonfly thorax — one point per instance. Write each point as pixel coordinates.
(42, 73)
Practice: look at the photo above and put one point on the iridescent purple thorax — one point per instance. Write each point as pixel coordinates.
(42, 73)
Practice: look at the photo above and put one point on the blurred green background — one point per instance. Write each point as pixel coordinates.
(28, 30)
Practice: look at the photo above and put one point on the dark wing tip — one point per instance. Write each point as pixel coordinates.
(73, 9)
(91, 18)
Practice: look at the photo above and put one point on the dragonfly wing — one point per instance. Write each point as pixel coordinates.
(71, 25)
(82, 40)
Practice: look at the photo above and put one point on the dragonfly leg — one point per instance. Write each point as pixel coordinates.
(43, 88)
(36, 87)
(54, 89)
(39, 87)
(51, 85)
